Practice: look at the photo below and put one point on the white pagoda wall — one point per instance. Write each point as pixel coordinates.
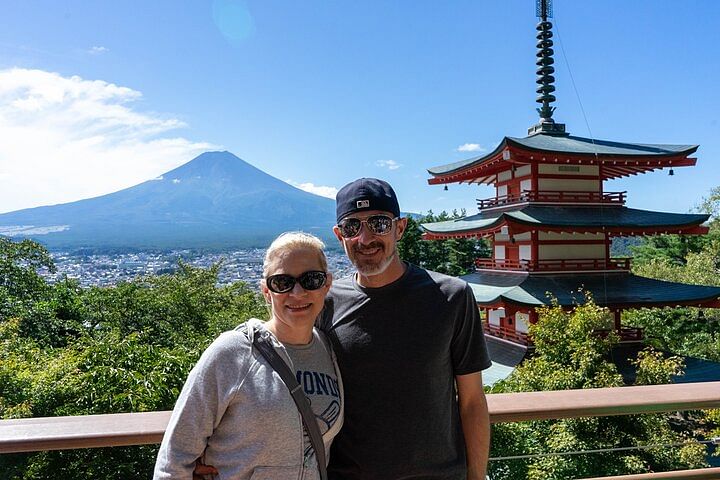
(560, 169)
(523, 171)
(568, 250)
(504, 176)
(569, 184)
(559, 252)
(570, 237)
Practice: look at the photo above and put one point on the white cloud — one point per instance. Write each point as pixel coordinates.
(389, 164)
(470, 147)
(323, 191)
(67, 138)
(98, 50)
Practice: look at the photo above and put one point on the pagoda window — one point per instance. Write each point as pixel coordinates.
(526, 252)
(523, 171)
(526, 185)
(502, 190)
(494, 316)
(502, 236)
(522, 322)
(499, 252)
(504, 176)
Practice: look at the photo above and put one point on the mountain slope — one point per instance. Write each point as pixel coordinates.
(215, 200)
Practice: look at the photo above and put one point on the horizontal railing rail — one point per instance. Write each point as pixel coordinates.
(123, 429)
(696, 474)
(560, 265)
(552, 196)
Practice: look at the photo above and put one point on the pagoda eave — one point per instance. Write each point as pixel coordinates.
(510, 152)
(612, 290)
(505, 303)
(517, 227)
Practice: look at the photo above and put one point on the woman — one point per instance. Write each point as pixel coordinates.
(234, 411)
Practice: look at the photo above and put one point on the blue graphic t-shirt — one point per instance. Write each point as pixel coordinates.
(316, 375)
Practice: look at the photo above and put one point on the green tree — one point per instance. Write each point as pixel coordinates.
(20, 281)
(453, 256)
(569, 355)
(68, 350)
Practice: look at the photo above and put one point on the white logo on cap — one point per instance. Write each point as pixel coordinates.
(363, 203)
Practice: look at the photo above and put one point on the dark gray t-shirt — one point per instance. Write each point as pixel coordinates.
(399, 348)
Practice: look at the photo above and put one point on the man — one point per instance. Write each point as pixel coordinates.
(411, 350)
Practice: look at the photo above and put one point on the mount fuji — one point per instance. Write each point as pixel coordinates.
(216, 200)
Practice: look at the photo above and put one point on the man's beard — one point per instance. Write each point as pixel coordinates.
(369, 267)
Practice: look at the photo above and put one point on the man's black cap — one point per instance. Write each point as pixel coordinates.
(366, 194)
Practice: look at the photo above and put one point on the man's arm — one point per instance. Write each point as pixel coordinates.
(475, 423)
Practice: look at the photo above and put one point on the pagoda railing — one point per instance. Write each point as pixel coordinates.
(561, 265)
(123, 429)
(506, 333)
(627, 334)
(552, 196)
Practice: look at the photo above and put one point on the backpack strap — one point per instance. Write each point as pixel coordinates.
(263, 344)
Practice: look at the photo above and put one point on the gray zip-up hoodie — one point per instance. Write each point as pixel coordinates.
(236, 410)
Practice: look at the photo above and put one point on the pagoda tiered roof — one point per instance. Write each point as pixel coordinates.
(617, 220)
(616, 158)
(623, 290)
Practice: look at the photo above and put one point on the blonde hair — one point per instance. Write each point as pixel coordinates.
(291, 241)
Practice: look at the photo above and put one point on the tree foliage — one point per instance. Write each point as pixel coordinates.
(67, 350)
(452, 257)
(687, 331)
(569, 355)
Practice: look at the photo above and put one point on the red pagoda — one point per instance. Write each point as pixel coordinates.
(551, 222)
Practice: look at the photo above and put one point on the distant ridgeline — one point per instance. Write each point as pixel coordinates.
(215, 201)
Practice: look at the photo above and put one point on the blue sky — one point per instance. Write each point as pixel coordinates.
(98, 96)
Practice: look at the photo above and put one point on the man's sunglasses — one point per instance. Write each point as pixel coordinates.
(377, 224)
(283, 283)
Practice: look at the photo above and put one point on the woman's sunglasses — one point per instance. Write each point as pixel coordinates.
(283, 283)
(377, 224)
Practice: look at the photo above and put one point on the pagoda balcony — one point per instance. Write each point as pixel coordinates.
(507, 334)
(125, 429)
(563, 265)
(625, 334)
(566, 197)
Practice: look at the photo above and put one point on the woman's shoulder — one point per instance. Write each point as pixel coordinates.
(233, 346)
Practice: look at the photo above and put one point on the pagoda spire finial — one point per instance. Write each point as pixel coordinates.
(545, 70)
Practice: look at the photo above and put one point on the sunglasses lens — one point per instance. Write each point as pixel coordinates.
(312, 280)
(280, 283)
(283, 283)
(350, 227)
(379, 224)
